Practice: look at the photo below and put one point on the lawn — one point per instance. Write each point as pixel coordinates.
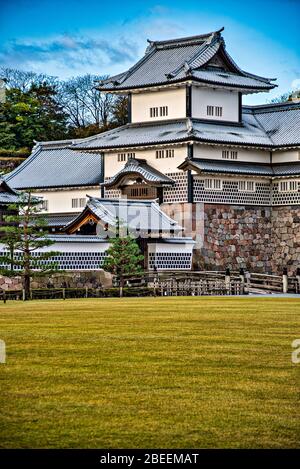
(153, 372)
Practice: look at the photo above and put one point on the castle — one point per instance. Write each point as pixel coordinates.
(220, 179)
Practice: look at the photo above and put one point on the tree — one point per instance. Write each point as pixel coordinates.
(123, 257)
(83, 103)
(24, 234)
(120, 111)
(31, 115)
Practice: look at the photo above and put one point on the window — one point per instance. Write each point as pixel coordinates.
(125, 156)
(79, 203)
(214, 111)
(170, 153)
(139, 191)
(160, 154)
(44, 205)
(210, 110)
(229, 154)
(163, 111)
(164, 153)
(153, 111)
(213, 184)
(288, 186)
(246, 186)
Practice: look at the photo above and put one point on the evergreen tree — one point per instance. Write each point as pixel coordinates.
(23, 235)
(123, 257)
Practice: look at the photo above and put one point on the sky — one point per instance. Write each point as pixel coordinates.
(72, 37)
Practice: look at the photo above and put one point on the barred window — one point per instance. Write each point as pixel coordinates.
(210, 110)
(44, 205)
(163, 110)
(213, 184)
(170, 153)
(153, 111)
(288, 185)
(160, 154)
(219, 111)
(229, 154)
(246, 186)
(75, 203)
(125, 156)
(78, 203)
(121, 157)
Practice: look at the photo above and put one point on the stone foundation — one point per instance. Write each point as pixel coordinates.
(259, 239)
(68, 279)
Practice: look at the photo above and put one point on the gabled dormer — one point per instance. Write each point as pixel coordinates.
(187, 77)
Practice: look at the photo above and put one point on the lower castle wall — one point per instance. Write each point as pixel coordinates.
(259, 239)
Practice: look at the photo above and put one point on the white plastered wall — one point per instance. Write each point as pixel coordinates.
(203, 97)
(141, 103)
(60, 200)
(244, 154)
(286, 156)
(164, 165)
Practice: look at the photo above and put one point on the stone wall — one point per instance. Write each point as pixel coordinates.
(70, 279)
(259, 239)
(285, 238)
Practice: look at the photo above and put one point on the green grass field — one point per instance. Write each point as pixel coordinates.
(152, 373)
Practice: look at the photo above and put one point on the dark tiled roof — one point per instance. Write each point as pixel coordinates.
(243, 168)
(180, 59)
(142, 215)
(140, 168)
(7, 194)
(62, 238)
(269, 126)
(53, 164)
(60, 219)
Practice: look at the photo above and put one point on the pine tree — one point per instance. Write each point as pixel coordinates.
(24, 233)
(123, 257)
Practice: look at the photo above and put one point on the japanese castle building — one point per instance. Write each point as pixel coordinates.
(224, 177)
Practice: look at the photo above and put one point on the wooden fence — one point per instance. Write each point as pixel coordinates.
(206, 283)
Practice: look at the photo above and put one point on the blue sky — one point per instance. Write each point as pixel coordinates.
(71, 37)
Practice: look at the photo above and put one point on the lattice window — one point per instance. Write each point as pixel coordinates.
(231, 195)
(178, 192)
(170, 260)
